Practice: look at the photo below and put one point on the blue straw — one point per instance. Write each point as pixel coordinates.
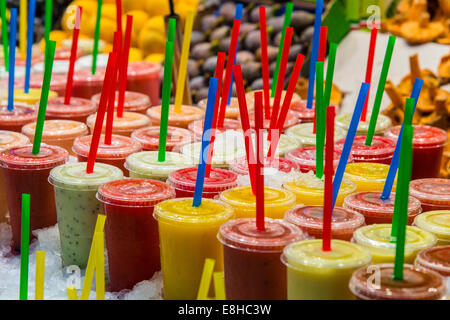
(198, 192)
(314, 53)
(386, 194)
(30, 31)
(238, 16)
(363, 91)
(12, 57)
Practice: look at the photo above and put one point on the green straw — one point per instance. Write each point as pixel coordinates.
(286, 23)
(4, 33)
(48, 20)
(380, 90)
(171, 32)
(49, 54)
(330, 74)
(24, 246)
(320, 120)
(96, 36)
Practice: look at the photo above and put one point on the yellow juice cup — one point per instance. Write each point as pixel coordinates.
(376, 239)
(32, 97)
(436, 222)
(187, 236)
(313, 274)
(368, 176)
(243, 201)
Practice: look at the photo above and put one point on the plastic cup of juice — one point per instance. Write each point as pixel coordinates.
(124, 126)
(60, 67)
(243, 201)
(62, 54)
(14, 120)
(232, 111)
(314, 274)
(85, 62)
(25, 172)
(291, 120)
(303, 132)
(252, 266)
(436, 259)
(428, 147)
(296, 100)
(131, 232)
(181, 119)
(113, 154)
(57, 83)
(184, 180)
(32, 97)
(78, 109)
(134, 101)
(240, 165)
(376, 210)
(383, 123)
(368, 176)
(309, 189)
(228, 124)
(376, 238)
(144, 77)
(77, 206)
(187, 236)
(418, 283)
(61, 133)
(380, 151)
(310, 220)
(433, 193)
(19, 73)
(145, 164)
(86, 84)
(148, 137)
(304, 114)
(436, 222)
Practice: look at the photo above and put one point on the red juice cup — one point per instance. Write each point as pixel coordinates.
(148, 137)
(303, 113)
(14, 120)
(228, 124)
(144, 77)
(232, 111)
(184, 180)
(291, 120)
(380, 151)
(305, 158)
(428, 147)
(375, 210)
(310, 220)
(25, 172)
(64, 53)
(436, 259)
(131, 232)
(85, 84)
(57, 82)
(240, 165)
(134, 101)
(78, 109)
(296, 99)
(180, 119)
(433, 193)
(124, 126)
(252, 266)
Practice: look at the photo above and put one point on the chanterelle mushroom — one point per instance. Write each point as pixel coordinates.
(422, 30)
(444, 69)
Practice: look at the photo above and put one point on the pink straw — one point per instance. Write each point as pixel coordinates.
(259, 165)
(73, 57)
(369, 68)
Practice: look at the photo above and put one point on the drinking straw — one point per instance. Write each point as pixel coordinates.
(286, 24)
(314, 53)
(72, 293)
(48, 20)
(205, 280)
(369, 68)
(321, 58)
(4, 33)
(328, 188)
(320, 120)
(206, 136)
(363, 91)
(50, 54)
(24, 246)
(264, 60)
(112, 59)
(23, 28)
(380, 90)
(30, 32)
(73, 57)
(100, 266)
(12, 59)
(96, 36)
(40, 272)
(401, 200)
(386, 194)
(123, 69)
(119, 16)
(183, 61)
(259, 159)
(330, 74)
(171, 32)
(238, 16)
(219, 285)
(228, 71)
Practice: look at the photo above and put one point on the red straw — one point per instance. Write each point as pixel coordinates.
(219, 75)
(245, 125)
(73, 57)
(123, 69)
(369, 69)
(228, 71)
(112, 60)
(259, 166)
(119, 16)
(321, 58)
(328, 196)
(264, 60)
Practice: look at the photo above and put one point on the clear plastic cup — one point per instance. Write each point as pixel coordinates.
(252, 266)
(148, 137)
(428, 148)
(85, 84)
(144, 77)
(60, 67)
(433, 193)
(184, 181)
(85, 62)
(61, 133)
(78, 109)
(62, 53)
(187, 236)
(243, 201)
(25, 172)
(314, 274)
(232, 111)
(368, 176)
(310, 220)
(131, 232)
(304, 114)
(228, 124)
(291, 120)
(380, 151)
(376, 238)
(436, 222)
(376, 210)
(240, 165)
(32, 97)
(57, 83)
(383, 123)
(134, 101)
(417, 284)
(181, 119)
(19, 73)
(296, 100)
(436, 259)
(303, 132)
(124, 126)
(77, 206)
(14, 120)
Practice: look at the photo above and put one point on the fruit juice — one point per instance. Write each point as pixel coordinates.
(19, 73)
(62, 54)
(383, 123)
(433, 193)
(303, 132)
(184, 181)
(296, 100)
(428, 147)
(77, 206)
(197, 127)
(436, 222)
(181, 119)
(304, 114)
(240, 166)
(368, 176)
(232, 111)
(310, 220)
(376, 210)
(133, 102)
(380, 151)
(376, 238)
(25, 172)
(436, 259)
(187, 236)
(60, 67)
(57, 83)
(85, 84)
(124, 125)
(15, 119)
(291, 120)
(148, 137)
(131, 232)
(252, 266)
(144, 77)
(32, 97)
(85, 62)
(309, 189)
(305, 158)
(78, 109)
(243, 201)
(314, 274)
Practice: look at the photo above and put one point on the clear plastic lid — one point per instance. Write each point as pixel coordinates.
(60, 67)
(243, 234)
(85, 62)
(120, 147)
(303, 113)
(77, 107)
(64, 53)
(129, 121)
(11, 139)
(20, 115)
(305, 157)
(436, 222)
(291, 120)
(142, 70)
(240, 165)
(218, 180)
(383, 123)
(146, 163)
(32, 97)
(232, 110)
(424, 136)
(85, 77)
(149, 137)
(135, 192)
(57, 129)
(365, 171)
(309, 184)
(57, 82)
(431, 190)
(19, 72)
(244, 197)
(23, 158)
(436, 259)
(187, 114)
(228, 124)
(303, 132)
(380, 148)
(134, 101)
(296, 100)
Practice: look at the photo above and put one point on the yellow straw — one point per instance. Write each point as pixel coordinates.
(205, 281)
(100, 266)
(72, 293)
(219, 286)
(23, 28)
(40, 271)
(183, 61)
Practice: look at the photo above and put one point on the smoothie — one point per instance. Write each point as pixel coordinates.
(436, 259)
(78, 109)
(380, 151)
(240, 165)
(60, 67)
(436, 222)
(181, 119)
(148, 137)
(144, 77)
(368, 176)
(124, 125)
(32, 97)
(85, 84)
(14, 120)
(383, 123)
(291, 120)
(232, 111)
(295, 103)
(303, 132)
(228, 124)
(305, 158)
(434, 194)
(134, 101)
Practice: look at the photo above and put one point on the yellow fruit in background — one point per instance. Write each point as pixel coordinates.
(156, 8)
(155, 24)
(135, 55)
(151, 42)
(68, 19)
(55, 35)
(107, 28)
(108, 48)
(155, 57)
(109, 11)
(129, 5)
(139, 19)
